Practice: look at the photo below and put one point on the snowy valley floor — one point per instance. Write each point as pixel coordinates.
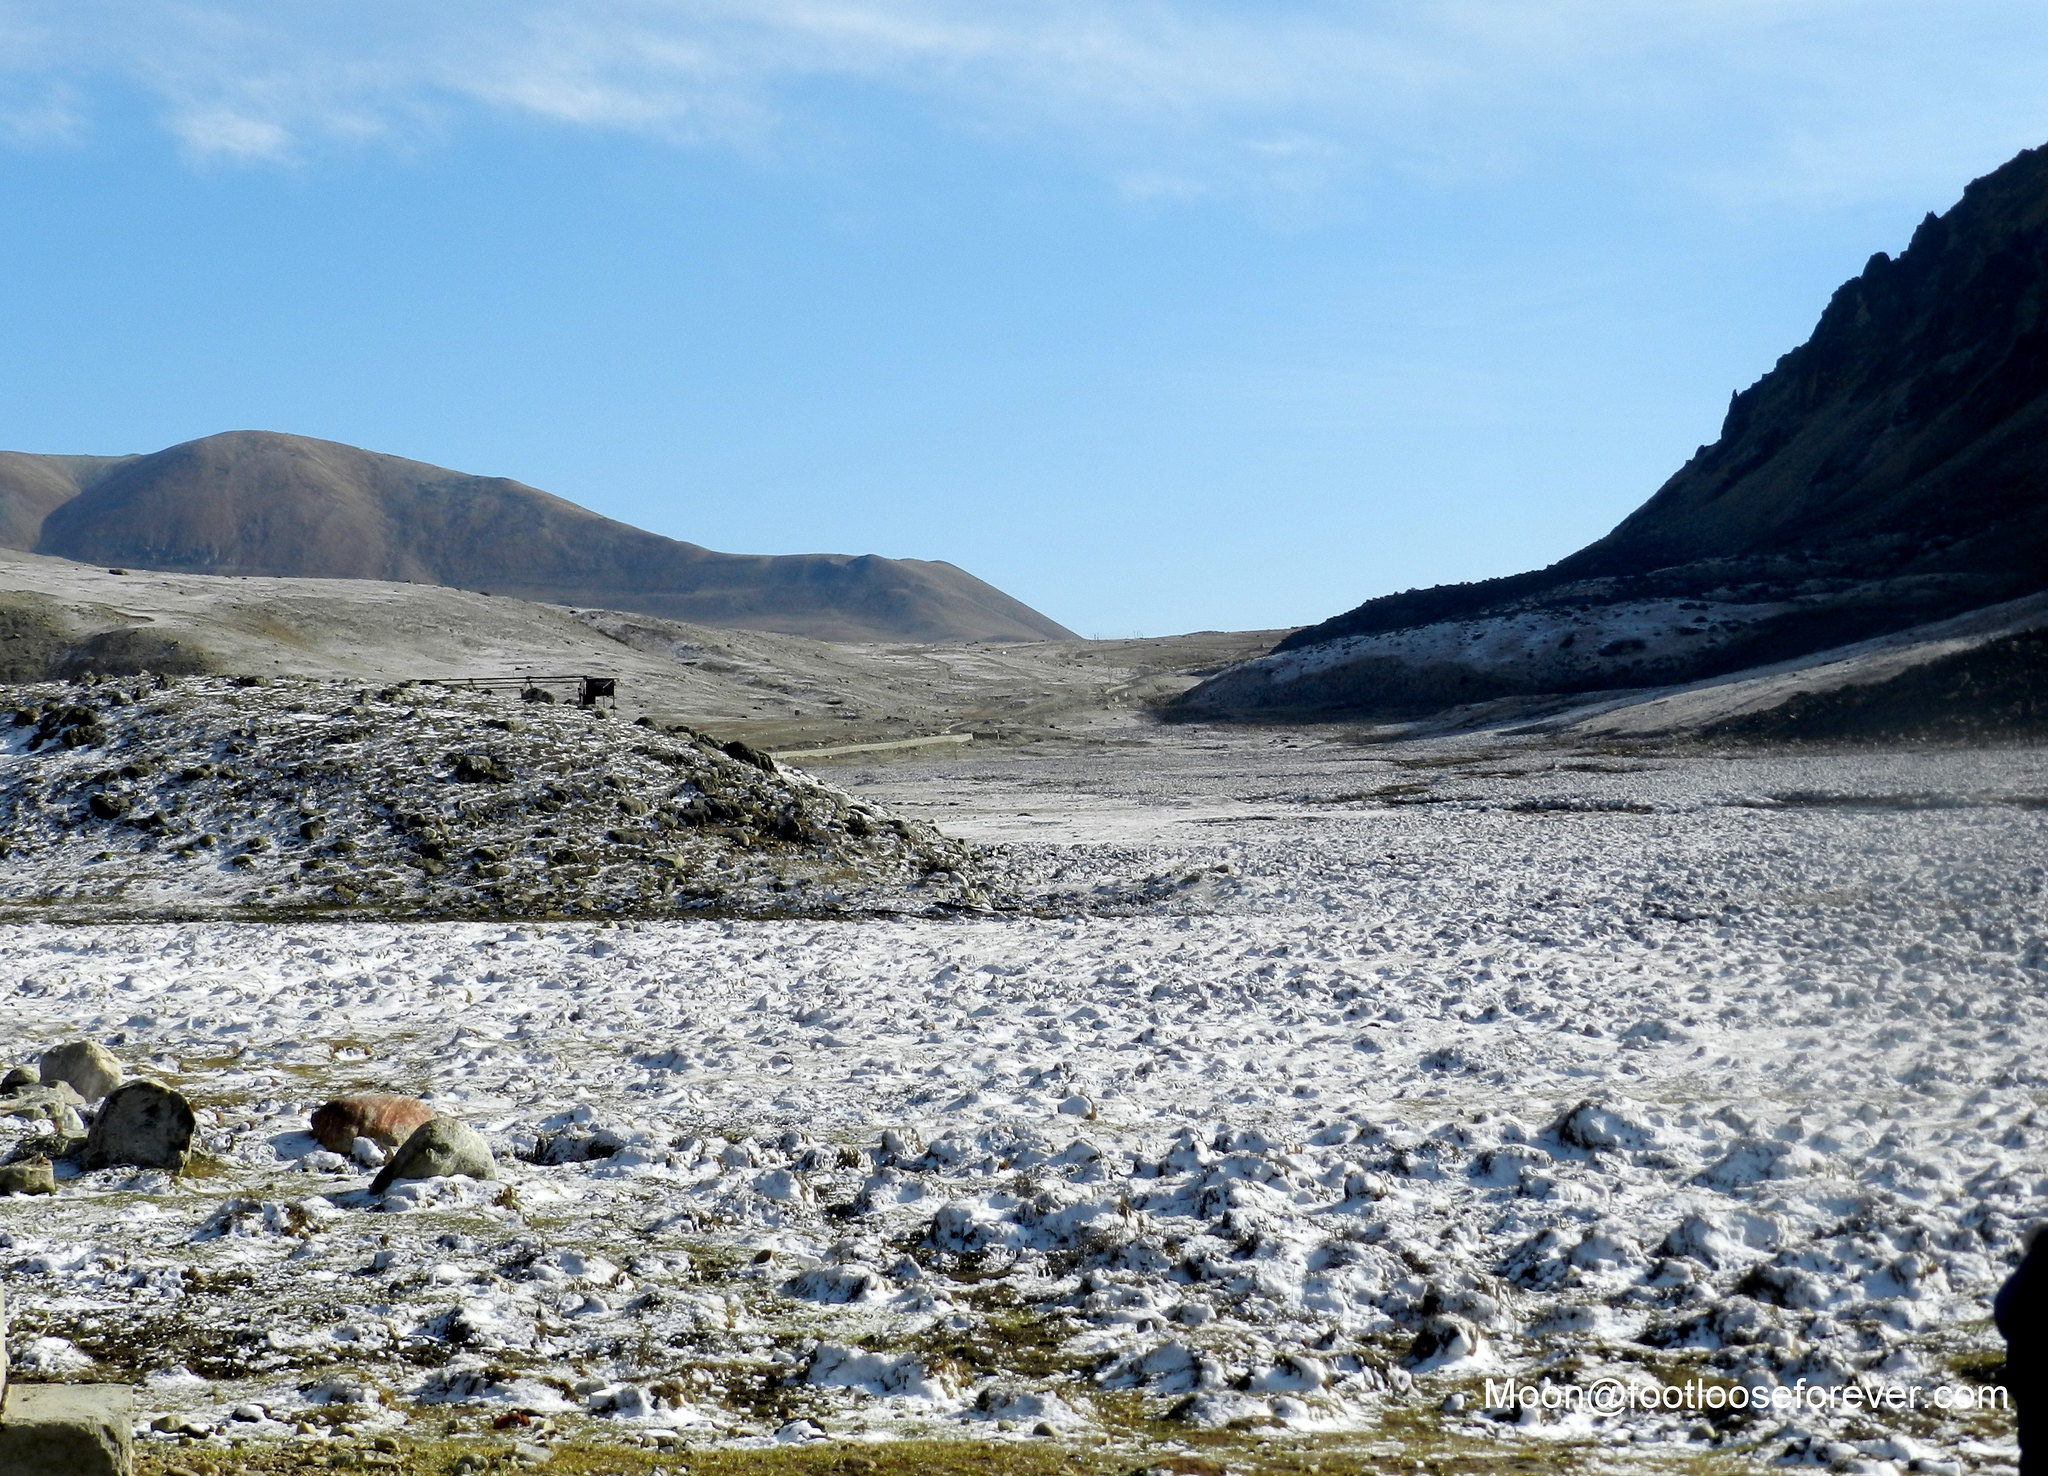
(1324, 1086)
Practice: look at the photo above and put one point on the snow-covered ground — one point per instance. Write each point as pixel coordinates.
(1325, 1084)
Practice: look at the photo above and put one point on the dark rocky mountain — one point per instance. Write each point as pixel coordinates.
(251, 502)
(1890, 471)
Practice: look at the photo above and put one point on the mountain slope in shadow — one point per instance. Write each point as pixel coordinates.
(1891, 471)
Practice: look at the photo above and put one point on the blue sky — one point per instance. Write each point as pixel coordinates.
(1161, 316)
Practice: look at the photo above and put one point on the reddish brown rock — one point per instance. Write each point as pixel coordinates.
(382, 1118)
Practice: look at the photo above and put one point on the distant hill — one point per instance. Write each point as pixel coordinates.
(60, 619)
(1891, 471)
(253, 502)
(33, 487)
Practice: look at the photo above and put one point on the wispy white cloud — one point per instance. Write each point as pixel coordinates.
(1172, 98)
(38, 114)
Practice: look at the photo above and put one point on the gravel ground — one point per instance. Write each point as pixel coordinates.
(1311, 1090)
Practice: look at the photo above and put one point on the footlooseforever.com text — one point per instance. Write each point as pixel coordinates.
(1618, 1396)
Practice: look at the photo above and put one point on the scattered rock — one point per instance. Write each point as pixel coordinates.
(90, 1068)
(86, 1429)
(41, 1101)
(1014, 1400)
(385, 1119)
(836, 1366)
(1603, 1129)
(1757, 1160)
(142, 1125)
(748, 754)
(19, 1077)
(1445, 1339)
(436, 1150)
(1702, 1239)
(51, 1357)
(480, 768)
(576, 1145)
(835, 1284)
(1221, 1409)
(56, 1106)
(28, 1176)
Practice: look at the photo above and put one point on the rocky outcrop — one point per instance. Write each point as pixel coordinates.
(1891, 471)
(252, 502)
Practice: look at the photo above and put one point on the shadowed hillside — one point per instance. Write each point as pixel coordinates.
(33, 487)
(1892, 470)
(251, 502)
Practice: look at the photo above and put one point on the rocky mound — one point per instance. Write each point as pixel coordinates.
(40, 640)
(251, 502)
(1891, 471)
(150, 798)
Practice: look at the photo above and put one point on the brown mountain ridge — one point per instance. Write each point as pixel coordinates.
(256, 502)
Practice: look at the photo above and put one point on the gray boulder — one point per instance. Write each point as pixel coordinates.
(90, 1068)
(29, 1176)
(436, 1150)
(40, 1101)
(57, 1106)
(144, 1125)
(68, 1430)
(19, 1077)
